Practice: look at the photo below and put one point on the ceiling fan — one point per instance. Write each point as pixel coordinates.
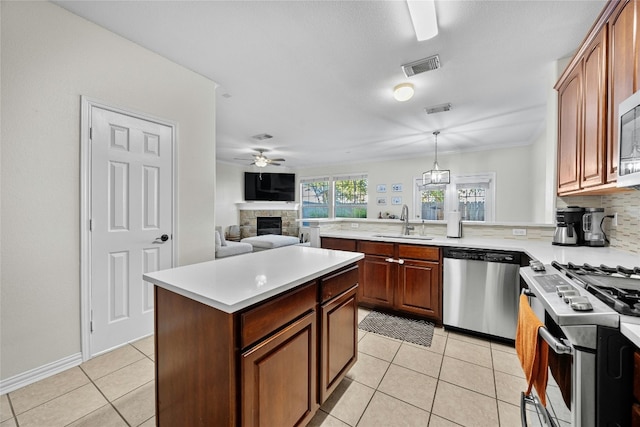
(261, 161)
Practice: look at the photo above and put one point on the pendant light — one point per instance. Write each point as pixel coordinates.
(436, 175)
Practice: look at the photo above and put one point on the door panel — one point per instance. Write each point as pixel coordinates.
(131, 207)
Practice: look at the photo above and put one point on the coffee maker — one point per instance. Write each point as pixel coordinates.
(592, 227)
(569, 230)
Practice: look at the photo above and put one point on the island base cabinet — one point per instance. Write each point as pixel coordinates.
(278, 377)
(339, 340)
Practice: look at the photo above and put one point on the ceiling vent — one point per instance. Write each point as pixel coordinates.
(438, 108)
(422, 65)
(262, 136)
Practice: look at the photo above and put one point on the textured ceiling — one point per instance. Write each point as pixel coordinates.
(318, 75)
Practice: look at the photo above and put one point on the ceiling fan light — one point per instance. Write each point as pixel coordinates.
(261, 162)
(423, 17)
(403, 92)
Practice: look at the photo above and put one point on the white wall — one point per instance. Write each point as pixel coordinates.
(513, 167)
(229, 191)
(49, 59)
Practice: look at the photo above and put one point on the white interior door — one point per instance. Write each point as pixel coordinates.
(131, 223)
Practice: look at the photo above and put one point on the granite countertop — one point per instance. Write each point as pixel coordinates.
(544, 252)
(233, 283)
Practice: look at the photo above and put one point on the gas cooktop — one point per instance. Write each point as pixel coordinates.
(618, 287)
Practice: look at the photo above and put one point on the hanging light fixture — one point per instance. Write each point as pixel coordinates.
(436, 175)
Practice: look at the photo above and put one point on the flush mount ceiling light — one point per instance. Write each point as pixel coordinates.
(403, 92)
(423, 16)
(436, 175)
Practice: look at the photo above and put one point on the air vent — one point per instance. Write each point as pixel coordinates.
(422, 65)
(262, 136)
(438, 108)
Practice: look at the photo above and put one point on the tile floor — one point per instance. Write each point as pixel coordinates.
(458, 381)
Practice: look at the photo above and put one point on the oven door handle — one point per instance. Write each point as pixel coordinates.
(556, 344)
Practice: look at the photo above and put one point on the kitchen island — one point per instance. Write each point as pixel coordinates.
(258, 339)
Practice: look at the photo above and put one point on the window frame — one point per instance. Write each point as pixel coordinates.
(332, 192)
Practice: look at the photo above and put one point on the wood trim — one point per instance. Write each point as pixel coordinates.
(335, 284)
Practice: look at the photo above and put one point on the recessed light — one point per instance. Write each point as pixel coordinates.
(403, 92)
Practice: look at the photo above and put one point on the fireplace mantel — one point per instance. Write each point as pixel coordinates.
(267, 206)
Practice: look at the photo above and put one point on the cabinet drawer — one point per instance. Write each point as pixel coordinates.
(338, 283)
(270, 316)
(338, 244)
(419, 252)
(375, 248)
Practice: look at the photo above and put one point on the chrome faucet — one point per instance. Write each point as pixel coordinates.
(404, 216)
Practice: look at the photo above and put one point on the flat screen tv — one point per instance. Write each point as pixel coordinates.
(273, 187)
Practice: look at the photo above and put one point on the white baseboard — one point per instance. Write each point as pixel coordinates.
(37, 374)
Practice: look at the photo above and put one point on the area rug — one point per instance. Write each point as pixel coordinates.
(410, 330)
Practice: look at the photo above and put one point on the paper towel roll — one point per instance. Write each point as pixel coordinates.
(454, 226)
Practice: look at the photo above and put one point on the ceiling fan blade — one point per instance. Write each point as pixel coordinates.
(274, 164)
(278, 160)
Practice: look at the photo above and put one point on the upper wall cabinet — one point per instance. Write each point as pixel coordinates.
(603, 72)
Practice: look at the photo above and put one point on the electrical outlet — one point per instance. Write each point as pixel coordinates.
(355, 225)
(519, 231)
(614, 221)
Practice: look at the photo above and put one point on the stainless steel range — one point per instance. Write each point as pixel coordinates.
(582, 306)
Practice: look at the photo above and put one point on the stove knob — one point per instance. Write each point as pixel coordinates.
(563, 288)
(568, 294)
(580, 303)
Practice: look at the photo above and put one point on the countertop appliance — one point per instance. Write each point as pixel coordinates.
(582, 307)
(629, 142)
(568, 230)
(592, 227)
(480, 291)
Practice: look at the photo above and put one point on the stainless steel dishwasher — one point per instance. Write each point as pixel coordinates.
(480, 291)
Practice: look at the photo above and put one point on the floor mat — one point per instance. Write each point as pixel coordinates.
(410, 330)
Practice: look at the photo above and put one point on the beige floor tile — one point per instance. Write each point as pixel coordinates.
(103, 417)
(509, 387)
(469, 338)
(151, 422)
(36, 394)
(509, 414)
(138, 405)
(503, 347)
(110, 362)
(468, 375)
(439, 330)
(368, 370)
(507, 363)
(361, 334)
(348, 402)
(127, 379)
(464, 406)
(378, 346)
(362, 313)
(385, 410)
(436, 421)
(11, 422)
(409, 386)
(5, 408)
(145, 345)
(322, 419)
(438, 343)
(64, 409)
(418, 359)
(468, 352)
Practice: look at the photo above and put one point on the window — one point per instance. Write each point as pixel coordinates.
(351, 196)
(472, 195)
(314, 195)
(342, 196)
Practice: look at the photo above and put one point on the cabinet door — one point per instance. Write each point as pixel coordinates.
(569, 134)
(339, 340)
(622, 73)
(338, 244)
(279, 377)
(595, 116)
(419, 288)
(376, 281)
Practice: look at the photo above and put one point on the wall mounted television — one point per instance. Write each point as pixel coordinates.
(272, 187)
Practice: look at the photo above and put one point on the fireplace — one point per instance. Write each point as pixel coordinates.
(269, 225)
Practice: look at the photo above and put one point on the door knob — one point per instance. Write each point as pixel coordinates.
(161, 239)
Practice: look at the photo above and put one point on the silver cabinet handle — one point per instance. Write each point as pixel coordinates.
(399, 261)
(390, 260)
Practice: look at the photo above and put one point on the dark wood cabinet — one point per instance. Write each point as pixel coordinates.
(604, 72)
(399, 277)
(271, 364)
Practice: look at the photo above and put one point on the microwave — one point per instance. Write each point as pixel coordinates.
(629, 142)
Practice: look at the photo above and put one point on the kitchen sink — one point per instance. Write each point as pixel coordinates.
(404, 236)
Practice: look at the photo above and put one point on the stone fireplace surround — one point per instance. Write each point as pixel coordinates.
(249, 212)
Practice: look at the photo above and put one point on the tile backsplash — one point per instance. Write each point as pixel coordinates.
(626, 235)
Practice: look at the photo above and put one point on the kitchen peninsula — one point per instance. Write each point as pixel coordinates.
(258, 339)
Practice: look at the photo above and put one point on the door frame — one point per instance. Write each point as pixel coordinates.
(86, 104)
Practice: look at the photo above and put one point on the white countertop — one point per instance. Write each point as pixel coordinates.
(544, 252)
(233, 283)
